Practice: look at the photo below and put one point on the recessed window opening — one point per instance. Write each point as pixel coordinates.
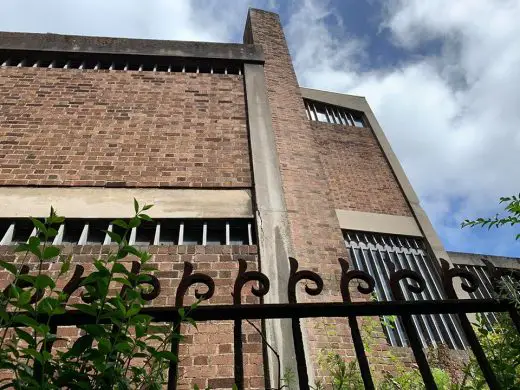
(145, 233)
(328, 113)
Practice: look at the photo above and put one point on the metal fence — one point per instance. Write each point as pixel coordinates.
(402, 284)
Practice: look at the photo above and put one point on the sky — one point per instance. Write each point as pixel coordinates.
(442, 77)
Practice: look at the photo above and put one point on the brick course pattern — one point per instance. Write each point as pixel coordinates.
(71, 127)
(206, 354)
(358, 174)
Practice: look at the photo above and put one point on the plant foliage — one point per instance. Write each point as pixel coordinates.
(119, 349)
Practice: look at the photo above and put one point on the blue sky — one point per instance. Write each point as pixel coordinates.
(442, 77)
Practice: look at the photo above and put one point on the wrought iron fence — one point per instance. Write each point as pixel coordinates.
(402, 282)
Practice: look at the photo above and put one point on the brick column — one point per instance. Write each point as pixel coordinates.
(314, 229)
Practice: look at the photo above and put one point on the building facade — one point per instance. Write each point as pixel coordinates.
(239, 161)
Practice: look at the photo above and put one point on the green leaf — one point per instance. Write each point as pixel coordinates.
(50, 252)
(181, 312)
(165, 355)
(26, 320)
(34, 242)
(51, 232)
(43, 281)
(39, 225)
(94, 330)
(79, 346)
(123, 281)
(88, 309)
(147, 207)
(134, 309)
(134, 222)
(119, 268)
(104, 345)
(120, 223)
(9, 267)
(123, 347)
(136, 206)
(65, 266)
(145, 217)
(25, 336)
(114, 236)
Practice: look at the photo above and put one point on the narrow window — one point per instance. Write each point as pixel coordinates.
(72, 231)
(169, 232)
(145, 233)
(192, 234)
(216, 233)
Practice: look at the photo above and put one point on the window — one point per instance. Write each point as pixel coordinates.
(30, 59)
(378, 254)
(161, 232)
(328, 113)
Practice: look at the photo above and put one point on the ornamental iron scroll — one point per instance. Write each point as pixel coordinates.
(242, 278)
(403, 283)
(469, 284)
(395, 278)
(346, 277)
(294, 277)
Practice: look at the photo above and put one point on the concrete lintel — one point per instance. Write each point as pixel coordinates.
(89, 202)
(125, 46)
(476, 260)
(274, 242)
(378, 223)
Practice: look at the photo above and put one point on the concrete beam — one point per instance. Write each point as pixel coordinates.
(91, 202)
(475, 259)
(274, 241)
(125, 46)
(378, 223)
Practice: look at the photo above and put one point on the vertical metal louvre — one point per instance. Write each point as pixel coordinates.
(486, 291)
(379, 254)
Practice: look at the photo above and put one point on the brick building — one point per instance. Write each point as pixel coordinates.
(239, 161)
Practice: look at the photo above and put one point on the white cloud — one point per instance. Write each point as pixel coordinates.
(453, 119)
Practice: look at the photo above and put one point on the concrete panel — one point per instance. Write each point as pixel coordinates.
(141, 47)
(274, 241)
(476, 259)
(88, 202)
(378, 223)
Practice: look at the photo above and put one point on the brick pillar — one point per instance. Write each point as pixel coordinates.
(314, 228)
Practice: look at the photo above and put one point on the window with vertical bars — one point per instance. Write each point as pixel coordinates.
(378, 254)
(160, 232)
(103, 61)
(328, 113)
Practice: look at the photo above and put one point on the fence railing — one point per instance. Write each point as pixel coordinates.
(402, 282)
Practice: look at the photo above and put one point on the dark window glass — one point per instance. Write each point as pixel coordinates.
(145, 233)
(72, 231)
(169, 232)
(238, 233)
(95, 233)
(216, 233)
(192, 233)
(22, 230)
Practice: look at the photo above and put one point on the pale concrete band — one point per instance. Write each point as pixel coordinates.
(100, 202)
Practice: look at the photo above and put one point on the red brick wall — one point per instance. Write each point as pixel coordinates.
(358, 174)
(138, 129)
(206, 355)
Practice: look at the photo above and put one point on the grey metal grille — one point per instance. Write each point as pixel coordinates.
(378, 254)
